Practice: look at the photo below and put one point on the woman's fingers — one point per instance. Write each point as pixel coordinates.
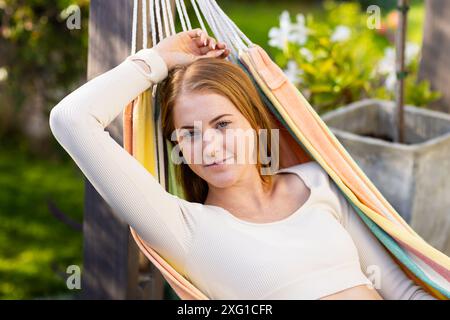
(198, 35)
(213, 54)
(207, 44)
(205, 50)
(225, 53)
(212, 43)
(202, 39)
(221, 45)
(198, 42)
(194, 32)
(217, 53)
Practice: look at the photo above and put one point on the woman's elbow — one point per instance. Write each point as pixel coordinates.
(58, 121)
(61, 119)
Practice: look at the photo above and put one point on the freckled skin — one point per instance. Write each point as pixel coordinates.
(202, 108)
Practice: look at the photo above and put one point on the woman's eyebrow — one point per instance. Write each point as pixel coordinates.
(210, 122)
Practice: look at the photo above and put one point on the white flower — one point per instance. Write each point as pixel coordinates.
(285, 20)
(307, 54)
(3, 74)
(390, 81)
(411, 51)
(278, 37)
(341, 33)
(299, 32)
(386, 66)
(292, 72)
(387, 63)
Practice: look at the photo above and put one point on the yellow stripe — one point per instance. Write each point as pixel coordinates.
(144, 146)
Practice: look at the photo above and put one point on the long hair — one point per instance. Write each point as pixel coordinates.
(224, 78)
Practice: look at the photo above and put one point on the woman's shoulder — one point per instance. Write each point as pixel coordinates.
(312, 172)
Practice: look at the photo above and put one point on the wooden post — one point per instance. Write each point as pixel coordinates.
(111, 257)
(435, 63)
(403, 6)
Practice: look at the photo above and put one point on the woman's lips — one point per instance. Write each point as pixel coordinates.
(217, 163)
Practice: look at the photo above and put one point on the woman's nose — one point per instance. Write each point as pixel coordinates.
(212, 142)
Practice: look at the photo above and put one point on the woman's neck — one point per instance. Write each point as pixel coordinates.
(249, 194)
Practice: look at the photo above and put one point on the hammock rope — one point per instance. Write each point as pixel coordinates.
(152, 22)
(143, 138)
(170, 18)
(144, 24)
(134, 27)
(180, 15)
(186, 16)
(165, 19)
(199, 16)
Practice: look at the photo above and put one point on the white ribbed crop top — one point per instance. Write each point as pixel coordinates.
(307, 255)
(322, 248)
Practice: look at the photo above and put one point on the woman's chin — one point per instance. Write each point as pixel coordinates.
(220, 176)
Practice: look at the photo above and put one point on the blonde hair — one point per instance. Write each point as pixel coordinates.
(200, 76)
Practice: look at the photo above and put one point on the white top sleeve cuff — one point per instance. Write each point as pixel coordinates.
(153, 59)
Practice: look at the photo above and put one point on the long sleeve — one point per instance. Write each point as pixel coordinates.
(78, 122)
(375, 261)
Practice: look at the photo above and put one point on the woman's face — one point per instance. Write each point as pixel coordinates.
(217, 141)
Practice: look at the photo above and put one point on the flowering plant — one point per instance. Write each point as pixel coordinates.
(333, 63)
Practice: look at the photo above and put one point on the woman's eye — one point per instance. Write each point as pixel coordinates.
(193, 133)
(222, 124)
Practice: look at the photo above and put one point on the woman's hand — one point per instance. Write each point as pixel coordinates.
(188, 46)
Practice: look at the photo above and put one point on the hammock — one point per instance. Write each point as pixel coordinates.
(304, 137)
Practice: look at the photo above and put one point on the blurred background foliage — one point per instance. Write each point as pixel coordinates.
(339, 56)
(41, 61)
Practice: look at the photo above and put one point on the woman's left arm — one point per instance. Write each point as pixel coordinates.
(389, 279)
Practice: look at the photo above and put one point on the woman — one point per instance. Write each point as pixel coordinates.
(240, 234)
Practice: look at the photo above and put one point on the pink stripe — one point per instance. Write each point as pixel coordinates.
(444, 272)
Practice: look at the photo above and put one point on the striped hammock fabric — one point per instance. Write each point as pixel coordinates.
(424, 264)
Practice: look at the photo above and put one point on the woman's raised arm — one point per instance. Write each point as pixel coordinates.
(78, 122)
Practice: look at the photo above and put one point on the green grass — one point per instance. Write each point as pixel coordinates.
(32, 241)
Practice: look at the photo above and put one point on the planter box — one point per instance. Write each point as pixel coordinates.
(414, 177)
